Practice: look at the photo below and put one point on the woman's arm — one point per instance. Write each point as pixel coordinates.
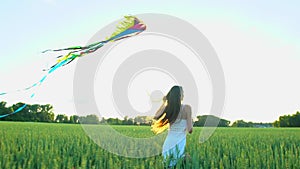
(188, 111)
(160, 111)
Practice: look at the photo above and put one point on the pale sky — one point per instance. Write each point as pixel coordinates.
(257, 43)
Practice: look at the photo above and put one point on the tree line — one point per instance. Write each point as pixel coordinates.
(44, 113)
(34, 113)
(288, 120)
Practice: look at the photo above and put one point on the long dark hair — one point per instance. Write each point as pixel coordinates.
(171, 111)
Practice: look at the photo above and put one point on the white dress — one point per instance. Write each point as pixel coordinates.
(174, 145)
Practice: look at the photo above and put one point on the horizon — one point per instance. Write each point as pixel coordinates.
(132, 117)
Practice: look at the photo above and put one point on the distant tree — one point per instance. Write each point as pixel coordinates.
(284, 121)
(201, 120)
(128, 121)
(102, 121)
(241, 123)
(295, 120)
(89, 119)
(22, 115)
(74, 119)
(114, 121)
(4, 109)
(276, 124)
(2, 105)
(288, 120)
(61, 118)
(42, 113)
(224, 123)
(142, 120)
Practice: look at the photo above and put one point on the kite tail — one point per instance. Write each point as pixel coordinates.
(74, 48)
(78, 52)
(60, 64)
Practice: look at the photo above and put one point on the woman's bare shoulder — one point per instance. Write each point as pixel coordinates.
(187, 109)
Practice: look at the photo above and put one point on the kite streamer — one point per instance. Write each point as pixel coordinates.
(131, 26)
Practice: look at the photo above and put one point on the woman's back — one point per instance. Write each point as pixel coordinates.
(181, 122)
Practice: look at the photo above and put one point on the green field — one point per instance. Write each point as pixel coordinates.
(43, 145)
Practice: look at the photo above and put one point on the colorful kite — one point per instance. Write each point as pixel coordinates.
(131, 26)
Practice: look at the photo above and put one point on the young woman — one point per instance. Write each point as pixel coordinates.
(178, 118)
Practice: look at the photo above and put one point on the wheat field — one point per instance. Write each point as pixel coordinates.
(50, 145)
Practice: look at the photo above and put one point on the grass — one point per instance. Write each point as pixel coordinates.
(50, 145)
